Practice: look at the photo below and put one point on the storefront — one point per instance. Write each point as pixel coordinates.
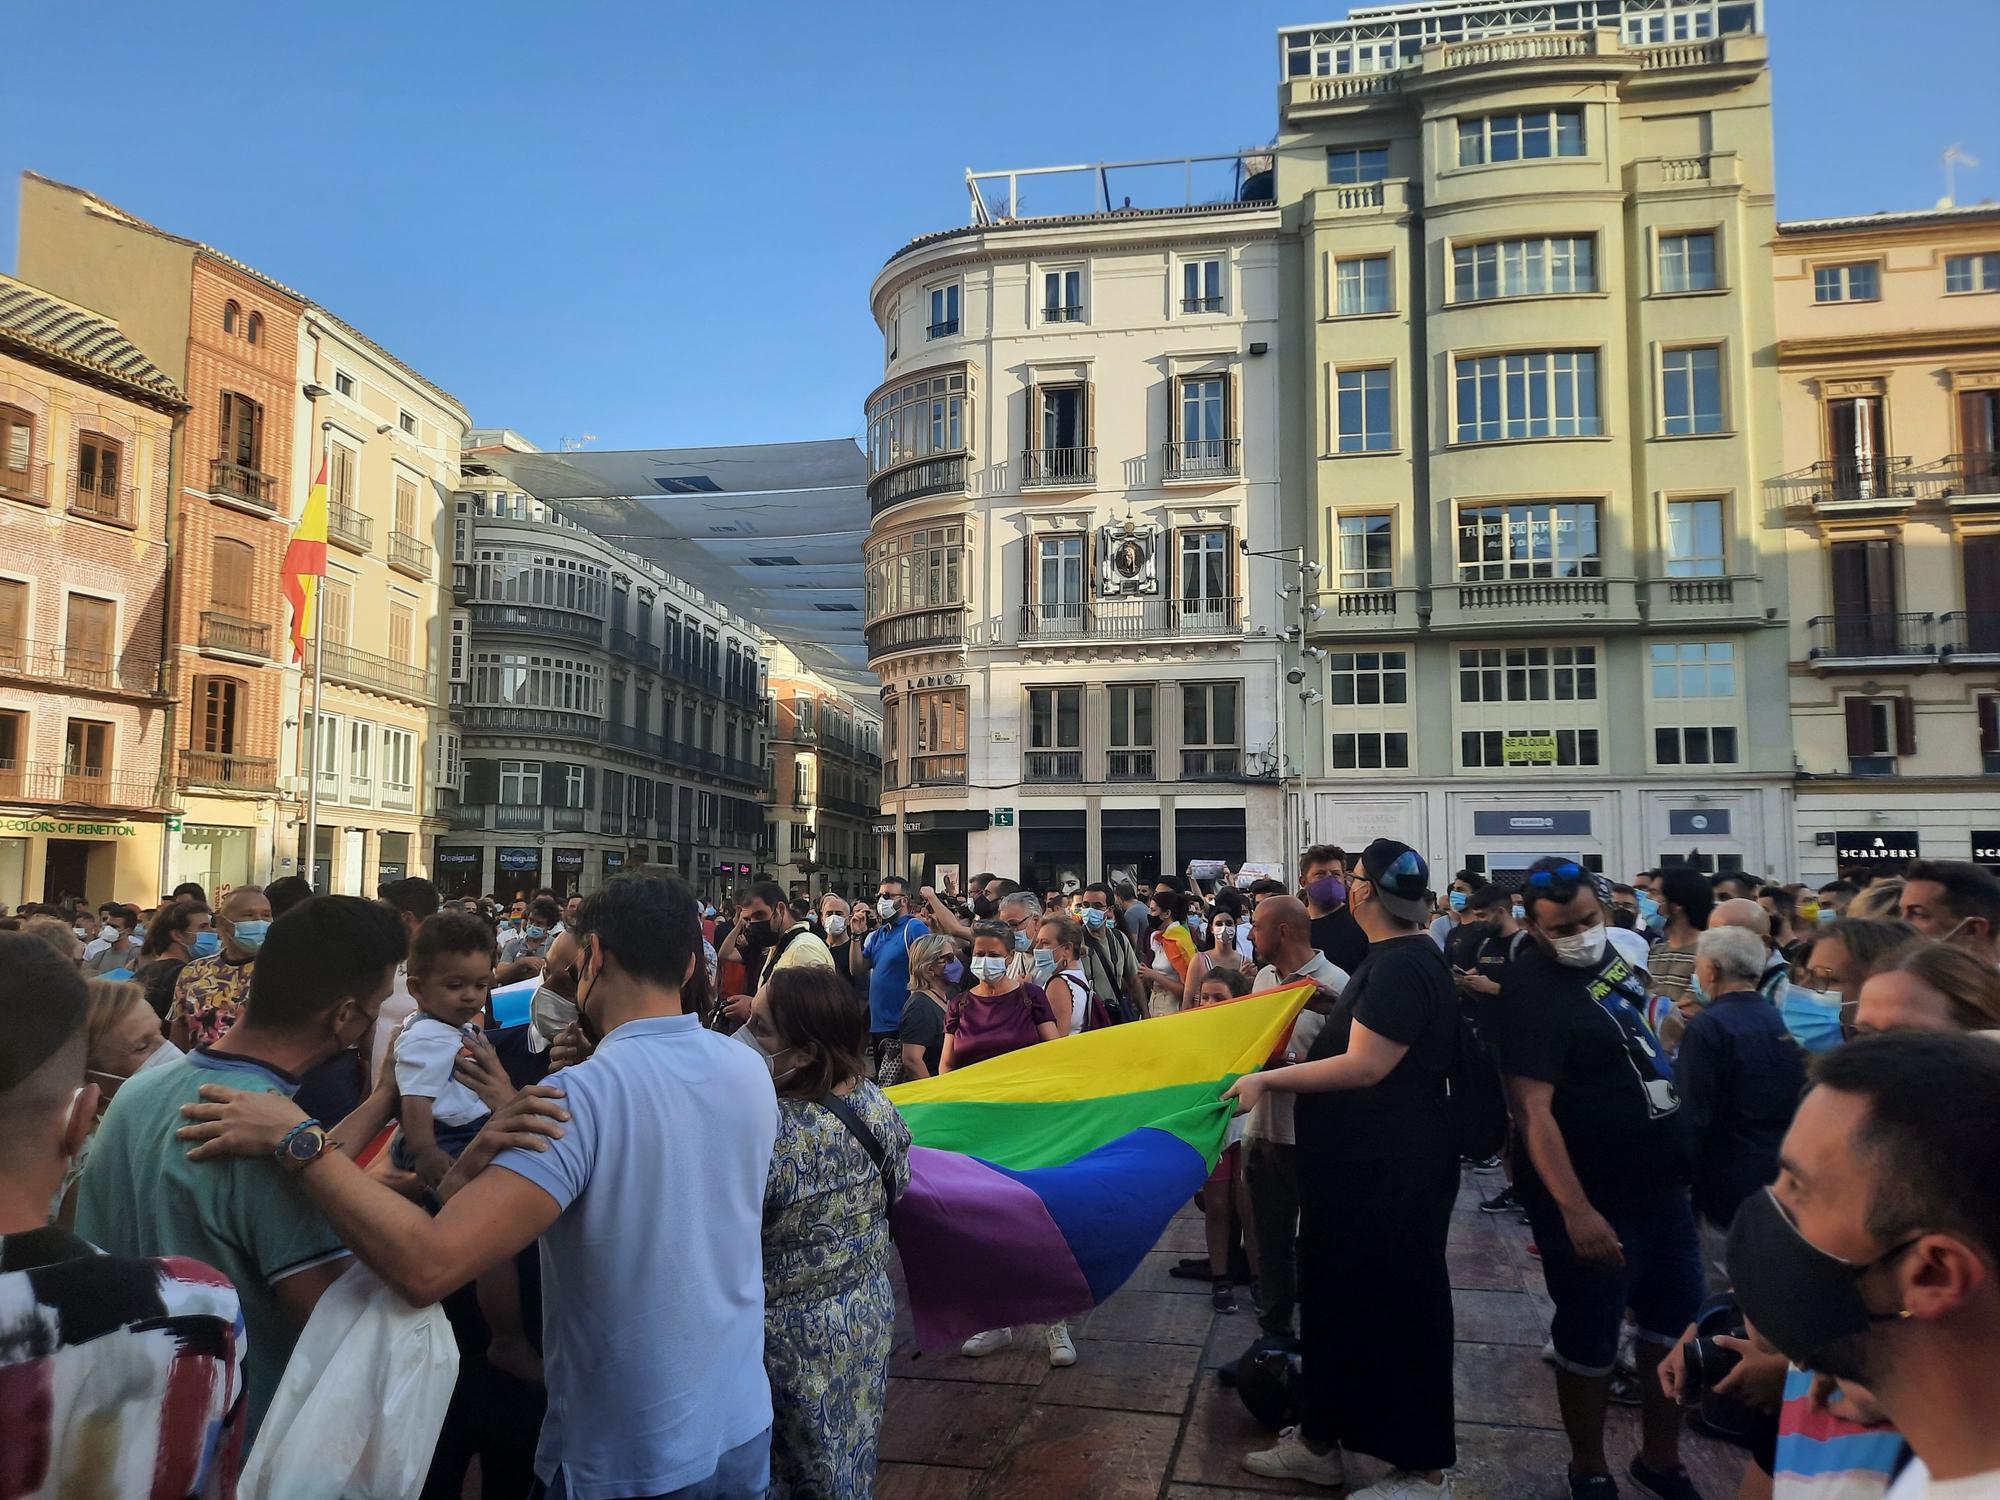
(460, 871)
(566, 872)
(930, 841)
(517, 872)
(1879, 851)
(1054, 849)
(48, 858)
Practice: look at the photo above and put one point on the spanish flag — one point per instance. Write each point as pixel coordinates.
(305, 563)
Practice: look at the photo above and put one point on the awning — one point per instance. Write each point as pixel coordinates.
(773, 531)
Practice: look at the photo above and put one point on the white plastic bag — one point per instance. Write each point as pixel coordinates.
(357, 1414)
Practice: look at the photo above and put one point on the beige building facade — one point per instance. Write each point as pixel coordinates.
(826, 781)
(1527, 427)
(1888, 360)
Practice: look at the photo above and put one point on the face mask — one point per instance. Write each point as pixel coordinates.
(952, 972)
(139, 933)
(1697, 991)
(1458, 899)
(207, 944)
(1520, 914)
(536, 934)
(82, 931)
(1093, 918)
(1328, 890)
(1802, 1299)
(166, 1052)
(1580, 950)
(981, 907)
(250, 935)
(1828, 914)
(1196, 925)
(757, 934)
(1022, 943)
(709, 912)
(1225, 932)
(836, 926)
(1045, 964)
(988, 968)
(885, 908)
(1649, 910)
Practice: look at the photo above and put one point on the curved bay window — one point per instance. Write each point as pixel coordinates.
(516, 575)
(537, 680)
(919, 436)
(914, 589)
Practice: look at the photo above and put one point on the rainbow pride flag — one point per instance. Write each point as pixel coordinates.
(1039, 1180)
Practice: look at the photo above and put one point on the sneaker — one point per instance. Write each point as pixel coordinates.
(1398, 1484)
(1222, 1298)
(990, 1342)
(1665, 1483)
(1592, 1486)
(1626, 1390)
(1062, 1349)
(1668, 1484)
(1292, 1459)
(1502, 1202)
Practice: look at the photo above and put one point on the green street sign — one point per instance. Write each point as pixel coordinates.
(173, 825)
(1003, 817)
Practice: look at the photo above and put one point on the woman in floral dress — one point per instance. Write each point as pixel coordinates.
(828, 1307)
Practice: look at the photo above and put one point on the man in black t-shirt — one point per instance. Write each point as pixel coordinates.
(1604, 1171)
(1323, 882)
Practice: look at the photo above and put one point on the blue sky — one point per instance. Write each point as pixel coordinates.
(657, 222)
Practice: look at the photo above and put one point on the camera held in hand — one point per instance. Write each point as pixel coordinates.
(1707, 1363)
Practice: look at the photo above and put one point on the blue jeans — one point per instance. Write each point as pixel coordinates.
(1660, 1282)
(743, 1474)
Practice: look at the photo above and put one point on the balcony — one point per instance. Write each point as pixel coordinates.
(54, 785)
(229, 635)
(1052, 765)
(1860, 484)
(930, 629)
(851, 808)
(937, 770)
(942, 474)
(684, 671)
(1961, 477)
(409, 555)
(1194, 459)
(1970, 637)
(243, 486)
(364, 669)
(1072, 314)
(1201, 304)
(1708, 599)
(515, 819)
(1897, 641)
(114, 504)
(1128, 765)
(1212, 765)
(462, 588)
(26, 482)
(628, 737)
(566, 819)
(236, 773)
(628, 647)
(1533, 593)
(536, 619)
(557, 722)
(944, 330)
(1127, 620)
(81, 670)
(1313, 98)
(1058, 468)
(349, 527)
(746, 771)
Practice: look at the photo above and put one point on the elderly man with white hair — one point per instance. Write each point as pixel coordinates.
(1740, 1074)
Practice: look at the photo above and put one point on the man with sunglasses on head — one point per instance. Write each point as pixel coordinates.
(1603, 1170)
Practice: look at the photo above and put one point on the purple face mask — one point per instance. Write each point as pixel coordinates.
(953, 973)
(1328, 890)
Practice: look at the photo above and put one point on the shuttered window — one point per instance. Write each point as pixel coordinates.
(87, 639)
(232, 574)
(402, 632)
(13, 620)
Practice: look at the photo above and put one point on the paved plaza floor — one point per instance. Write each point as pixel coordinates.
(1140, 1416)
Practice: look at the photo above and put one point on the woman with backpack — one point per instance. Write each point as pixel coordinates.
(1058, 970)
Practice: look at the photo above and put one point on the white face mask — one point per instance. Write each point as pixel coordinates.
(1581, 950)
(836, 925)
(989, 968)
(885, 908)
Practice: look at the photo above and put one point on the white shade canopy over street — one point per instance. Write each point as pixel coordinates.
(773, 531)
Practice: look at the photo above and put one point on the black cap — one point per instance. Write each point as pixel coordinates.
(45, 1001)
(1401, 879)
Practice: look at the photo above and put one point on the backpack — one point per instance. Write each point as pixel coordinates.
(1118, 1008)
(1268, 1379)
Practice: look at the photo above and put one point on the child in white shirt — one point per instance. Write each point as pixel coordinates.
(450, 972)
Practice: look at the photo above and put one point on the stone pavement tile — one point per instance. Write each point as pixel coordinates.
(1472, 1229)
(930, 1421)
(1024, 1364)
(1482, 1268)
(1506, 1385)
(1217, 1435)
(1716, 1468)
(1152, 1317)
(1118, 1376)
(925, 1482)
(1085, 1454)
(1511, 1463)
(1231, 1337)
(1184, 1235)
(1497, 1318)
(1152, 1276)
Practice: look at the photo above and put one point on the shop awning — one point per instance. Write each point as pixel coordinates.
(773, 531)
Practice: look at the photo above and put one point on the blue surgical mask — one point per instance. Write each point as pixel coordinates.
(1696, 992)
(207, 944)
(989, 968)
(250, 935)
(1045, 965)
(1458, 899)
(1021, 941)
(1828, 914)
(1093, 918)
(1649, 910)
(536, 934)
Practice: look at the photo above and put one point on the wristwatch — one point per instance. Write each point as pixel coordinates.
(304, 1143)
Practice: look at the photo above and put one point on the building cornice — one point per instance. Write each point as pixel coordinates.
(1889, 343)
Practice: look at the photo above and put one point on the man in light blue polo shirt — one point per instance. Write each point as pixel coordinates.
(885, 958)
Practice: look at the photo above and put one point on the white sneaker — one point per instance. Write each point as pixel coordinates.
(990, 1342)
(1062, 1349)
(1292, 1459)
(1399, 1484)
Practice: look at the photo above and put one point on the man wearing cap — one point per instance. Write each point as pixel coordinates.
(1378, 1174)
(122, 1376)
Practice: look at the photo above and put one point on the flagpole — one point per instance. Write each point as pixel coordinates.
(318, 723)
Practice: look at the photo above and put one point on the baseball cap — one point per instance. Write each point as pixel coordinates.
(1401, 879)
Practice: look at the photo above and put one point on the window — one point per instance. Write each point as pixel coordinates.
(13, 735)
(1062, 295)
(537, 680)
(1694, 539)
(1687, 262)
(1691, 391)
(1361, 285)
(1062, 422)
(1856, 281)
(406, 506)
(1357, 163)
(343, 383)
(892, 334)
(939, 719)
(1694, 669)
(254, 330)
(801, 785)
(1201, 285)
(449, 767)
(1540, 539)
(1487, 748)
(13, 620)
(1055, 734)
(340, 475)
(17, 450)
(216, 730)
(1361, 412)
(1059, 578)
(1368, 677)
(1692, 745)
(1210, 739)
(86, 755)
(360, 744)
(1204, 577)
(917, 419)
(231, 575)
(91, 626)
(336, 610)
(1973, 273)
(944, 310)
(326, 751)
(455, 652)
(242, 434)
(1366, 561)
(1202, 427)
(232, 314)
(407, 420)
(520, 783)
(1528, 674)
(1129, 752)
(1371, 750)
(1878, 730)
(402, 634)
(1527, 396)
(99, 461)
(516, 575)
(1520, 135)
(1537, 267)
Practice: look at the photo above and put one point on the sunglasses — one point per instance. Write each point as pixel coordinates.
(1568, 873)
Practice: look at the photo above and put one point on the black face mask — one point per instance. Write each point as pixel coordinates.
(757, 933)
(1807, 1303)
(982, 907)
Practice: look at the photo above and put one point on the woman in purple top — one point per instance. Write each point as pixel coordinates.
(995, 1016)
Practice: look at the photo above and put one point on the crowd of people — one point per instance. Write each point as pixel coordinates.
(1739, 1117)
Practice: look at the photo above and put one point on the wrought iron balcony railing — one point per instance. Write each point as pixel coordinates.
(409, 554)
(242, 773)
(82, 668)
(364, 669)
(1203, 458)
(243, 483)
(234, 636)
(1888, 636)
(349, 526)
(1058, 468)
